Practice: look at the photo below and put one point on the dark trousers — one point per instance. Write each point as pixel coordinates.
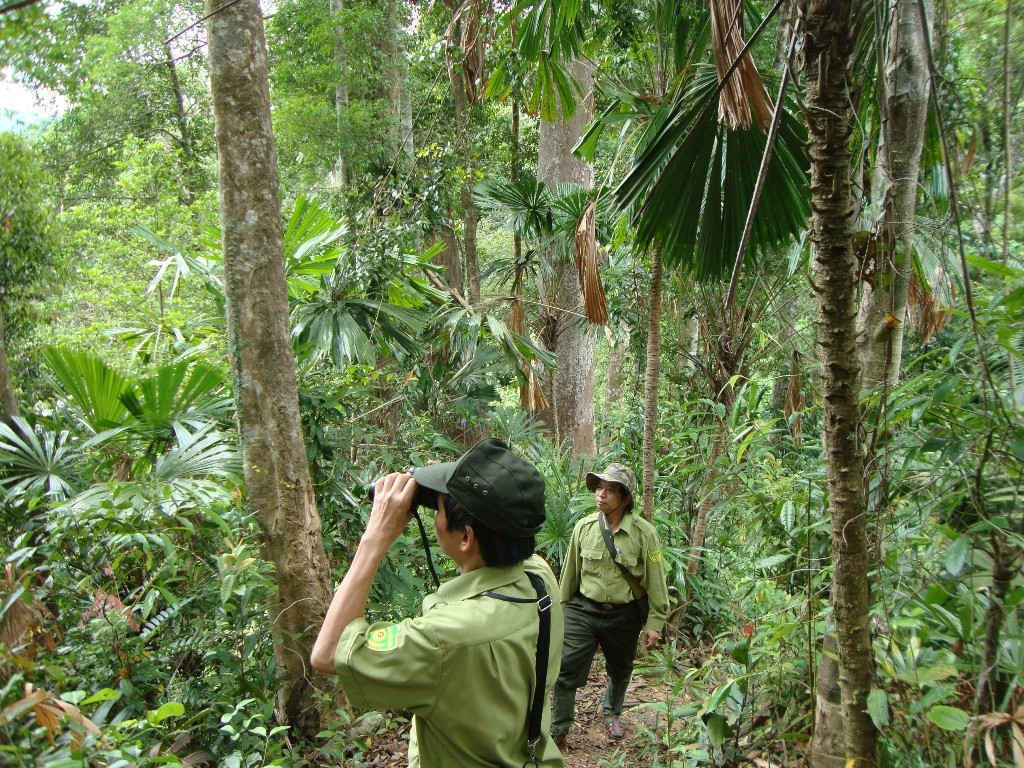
(587, 625)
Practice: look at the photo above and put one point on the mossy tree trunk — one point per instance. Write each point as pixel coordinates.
(564, 330)
(276, 472)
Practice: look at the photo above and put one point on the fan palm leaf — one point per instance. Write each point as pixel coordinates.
(95, 387)
(692, 181)
(34, 464)
(177, 393)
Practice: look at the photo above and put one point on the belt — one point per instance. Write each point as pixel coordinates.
(602, 606)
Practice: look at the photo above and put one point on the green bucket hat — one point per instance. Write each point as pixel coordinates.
(614, 473)
(494, 485)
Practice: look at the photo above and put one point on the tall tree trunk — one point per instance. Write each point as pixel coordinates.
(340, 173)
(828, 45)
(570, 387)
(276, 473)
(711, 488)
(193, 172)
(883, 307)
(470, 215)
(651, 383)
(1004, 556)
(7, 400)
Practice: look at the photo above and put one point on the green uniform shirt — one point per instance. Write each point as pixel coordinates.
(589, 568)
(465, 669)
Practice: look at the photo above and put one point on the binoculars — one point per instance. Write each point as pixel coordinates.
(424, 497)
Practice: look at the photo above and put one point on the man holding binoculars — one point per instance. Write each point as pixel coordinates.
(474, 667)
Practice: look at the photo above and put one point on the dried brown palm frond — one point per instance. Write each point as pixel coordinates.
(531, 394)
(929, 315)
(987, 726)
(25, 626)
(744, 96)
(465, 32)
(52, 713)
(595, 305)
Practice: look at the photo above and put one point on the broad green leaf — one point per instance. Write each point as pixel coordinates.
(170, 709)
(104, 694)
(949, 718)
(718, 729)
(957, 554)
(878, 707)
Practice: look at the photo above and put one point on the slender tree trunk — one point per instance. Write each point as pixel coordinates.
(828, 47)
(340, 172)
(1004, 556)
(651, 383)
(7, 399)
(470, 215)
(570, 386)
(193, 172)
(883, 307)
(707, 496)
(616, 371)
(276, 473)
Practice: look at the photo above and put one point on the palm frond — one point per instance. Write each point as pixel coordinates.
(203, 454)
(177, 391)
(692, 181)
(594, 303)
(94, 386)
(523, 206)
(34, 464)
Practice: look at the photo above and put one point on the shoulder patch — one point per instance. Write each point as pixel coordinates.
(654, 555)
(383, 639)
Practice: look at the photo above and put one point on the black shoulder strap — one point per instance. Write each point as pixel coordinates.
(535, 713)
(609, 541)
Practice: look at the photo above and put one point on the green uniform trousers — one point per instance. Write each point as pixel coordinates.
(587, 625)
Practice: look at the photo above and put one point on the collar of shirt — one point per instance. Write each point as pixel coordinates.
(627, 524)
(467, 585)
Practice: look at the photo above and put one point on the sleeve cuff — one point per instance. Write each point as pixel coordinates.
(351, 637)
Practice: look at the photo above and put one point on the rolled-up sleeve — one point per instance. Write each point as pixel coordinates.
(389, 665)
(569, 583)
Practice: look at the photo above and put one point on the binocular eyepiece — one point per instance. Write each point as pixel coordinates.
(424, 497)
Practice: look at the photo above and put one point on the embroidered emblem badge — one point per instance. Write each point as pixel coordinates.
(654, 556)
(383, 638)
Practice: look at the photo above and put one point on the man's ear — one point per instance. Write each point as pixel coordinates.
(468, 541)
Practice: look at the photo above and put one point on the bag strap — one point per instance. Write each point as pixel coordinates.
(535, 713)
(609, 541)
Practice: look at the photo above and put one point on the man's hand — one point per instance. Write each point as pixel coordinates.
(651, 638)
(392, 504)
(392, 500)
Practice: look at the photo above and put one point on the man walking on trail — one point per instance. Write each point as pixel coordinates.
(469, 667)
(612, 587)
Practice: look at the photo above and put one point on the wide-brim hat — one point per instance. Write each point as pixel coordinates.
(494, 485)
(614, 473)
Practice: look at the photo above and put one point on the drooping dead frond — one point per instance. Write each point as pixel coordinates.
(594, 304)
(745, 91)
(987, 726)
(531, 394)
(26, 626)
(52, 713)
(465, 33)
(929, 315)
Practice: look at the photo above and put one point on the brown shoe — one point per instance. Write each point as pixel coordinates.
(561, 741)
(613, 726)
